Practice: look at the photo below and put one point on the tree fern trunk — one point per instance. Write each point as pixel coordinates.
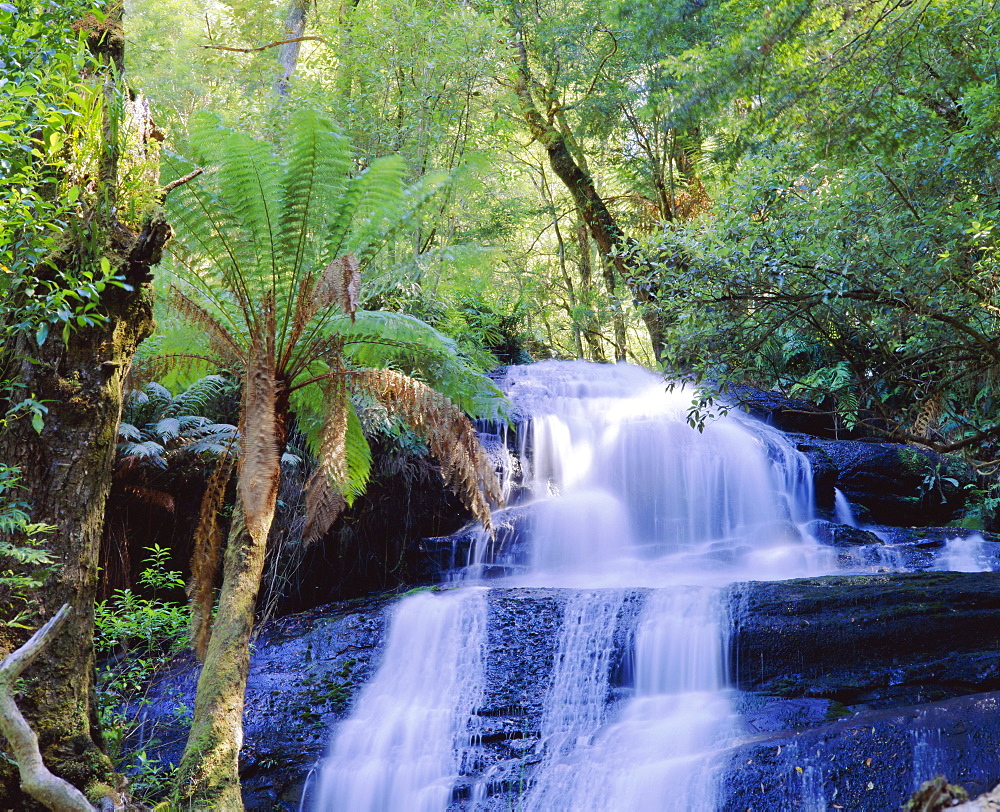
(208, 777)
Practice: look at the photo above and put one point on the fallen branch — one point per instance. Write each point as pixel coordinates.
(260, 47)
(179, 182)
(36, 780)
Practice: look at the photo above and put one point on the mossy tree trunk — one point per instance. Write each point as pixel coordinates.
(66, 467)
(67, 473)
(208, 777)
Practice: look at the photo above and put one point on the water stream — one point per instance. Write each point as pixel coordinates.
(619, 494)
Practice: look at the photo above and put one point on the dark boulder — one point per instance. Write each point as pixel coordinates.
(894, 484)
(871, 640)
(781, 411)
(840, 535)
(868, 761)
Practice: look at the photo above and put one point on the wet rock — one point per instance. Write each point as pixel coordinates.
(305, 670)
(894, 484)
(840, 535)
(861, 649)
(785, 413)
(889, 639)
(869, 761)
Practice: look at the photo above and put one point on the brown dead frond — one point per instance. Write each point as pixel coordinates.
(448, 433)
(340, 284)
(207, 552)
(324, 504)
(928, 418)
(151, 496)
(220, 340)
(324, 500)
(262, 440)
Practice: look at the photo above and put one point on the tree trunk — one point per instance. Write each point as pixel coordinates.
(66, 467)
(67, 473)
(209, 776)
(288, 54)
(209, 772)
(612, 245)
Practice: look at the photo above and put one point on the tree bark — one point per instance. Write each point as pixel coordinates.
(208, 777)
(288, 54)
(67, 472)
(66, 467)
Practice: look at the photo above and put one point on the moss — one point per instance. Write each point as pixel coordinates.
(836, 710)
(912, 461)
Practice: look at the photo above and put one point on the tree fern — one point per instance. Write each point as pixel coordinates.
(271, 253)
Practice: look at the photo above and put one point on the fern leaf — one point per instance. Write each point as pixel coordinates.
(446, 430)
(206, 554)
(221, 341)
(323, 505)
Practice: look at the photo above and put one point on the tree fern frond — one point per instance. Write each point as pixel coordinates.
(339, 285)
(249, 184)
(369, 202)
(331, 457)
(391, 210)
(169, 428)
(447, 432)
(196, 397)
(317, 170)
(379, 338)
(323, 505)
(221, 341)
(127, 431)
(147, 452)
(359, 456)
(206, 553)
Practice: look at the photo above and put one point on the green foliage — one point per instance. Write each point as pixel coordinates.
(263, 228)
(861, 270)
(159, 428)
(135, 637)
(20, 541)
(51, 145)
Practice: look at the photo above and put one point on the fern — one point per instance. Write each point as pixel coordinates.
(270, 255)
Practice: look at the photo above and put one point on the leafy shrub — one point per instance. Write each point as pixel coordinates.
(135, 637)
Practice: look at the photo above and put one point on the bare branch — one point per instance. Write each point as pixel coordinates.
(36, 780)
(179, 182)
(261, 47)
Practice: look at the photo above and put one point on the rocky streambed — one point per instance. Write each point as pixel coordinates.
(851, 690)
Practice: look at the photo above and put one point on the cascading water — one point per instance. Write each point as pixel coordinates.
(624, 494)
(407, 738)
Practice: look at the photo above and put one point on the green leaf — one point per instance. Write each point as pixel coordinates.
(37, 422)
(42, 333)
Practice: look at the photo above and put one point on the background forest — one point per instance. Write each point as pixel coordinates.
(801, 196)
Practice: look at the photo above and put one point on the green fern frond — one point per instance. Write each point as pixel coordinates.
(359, 458)
(382, 339)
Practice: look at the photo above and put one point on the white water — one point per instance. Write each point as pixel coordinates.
(404, 745)
(970, 554)
(842, 509)
(625, 494)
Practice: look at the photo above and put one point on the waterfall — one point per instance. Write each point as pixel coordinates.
(406, 741)
(621, 493)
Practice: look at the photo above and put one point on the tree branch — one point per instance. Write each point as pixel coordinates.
(179, 182)
(260, 47)
(36, 780)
